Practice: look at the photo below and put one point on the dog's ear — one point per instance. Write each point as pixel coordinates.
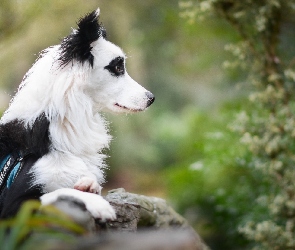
(77, 46)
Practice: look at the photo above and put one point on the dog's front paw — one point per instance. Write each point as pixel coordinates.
(95, 204)
(88, 184)
(99, 207)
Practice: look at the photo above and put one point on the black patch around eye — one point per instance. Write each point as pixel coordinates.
(116, 66)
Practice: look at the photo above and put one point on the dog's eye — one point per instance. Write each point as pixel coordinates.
(116, 66)
(119, 69)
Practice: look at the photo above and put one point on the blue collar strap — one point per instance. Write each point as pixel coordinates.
(9, 169)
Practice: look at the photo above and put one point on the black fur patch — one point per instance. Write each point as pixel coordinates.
(116, 66)
(77, 46)
(32, 142)
(15, 137)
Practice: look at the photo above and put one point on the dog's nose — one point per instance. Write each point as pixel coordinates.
(151, 98)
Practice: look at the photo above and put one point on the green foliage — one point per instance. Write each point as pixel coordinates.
(267, 129)
(210, 183)
(34, 225)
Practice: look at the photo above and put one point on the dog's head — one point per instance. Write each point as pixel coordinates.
(110, 87)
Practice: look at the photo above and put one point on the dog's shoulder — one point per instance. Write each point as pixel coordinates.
(16, 136)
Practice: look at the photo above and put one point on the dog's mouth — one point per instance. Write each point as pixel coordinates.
(127, 109)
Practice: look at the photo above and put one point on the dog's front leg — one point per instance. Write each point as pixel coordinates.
(88, 184)
(63, 170)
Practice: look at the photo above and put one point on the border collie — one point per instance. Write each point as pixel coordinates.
(52, 135)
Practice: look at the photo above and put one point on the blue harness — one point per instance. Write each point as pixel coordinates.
(9, 169)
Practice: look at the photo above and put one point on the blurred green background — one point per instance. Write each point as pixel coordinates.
(181, 148)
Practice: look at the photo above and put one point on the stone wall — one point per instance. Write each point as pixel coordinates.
(143, 223)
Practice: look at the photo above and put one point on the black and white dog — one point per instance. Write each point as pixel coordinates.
(52, 135)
